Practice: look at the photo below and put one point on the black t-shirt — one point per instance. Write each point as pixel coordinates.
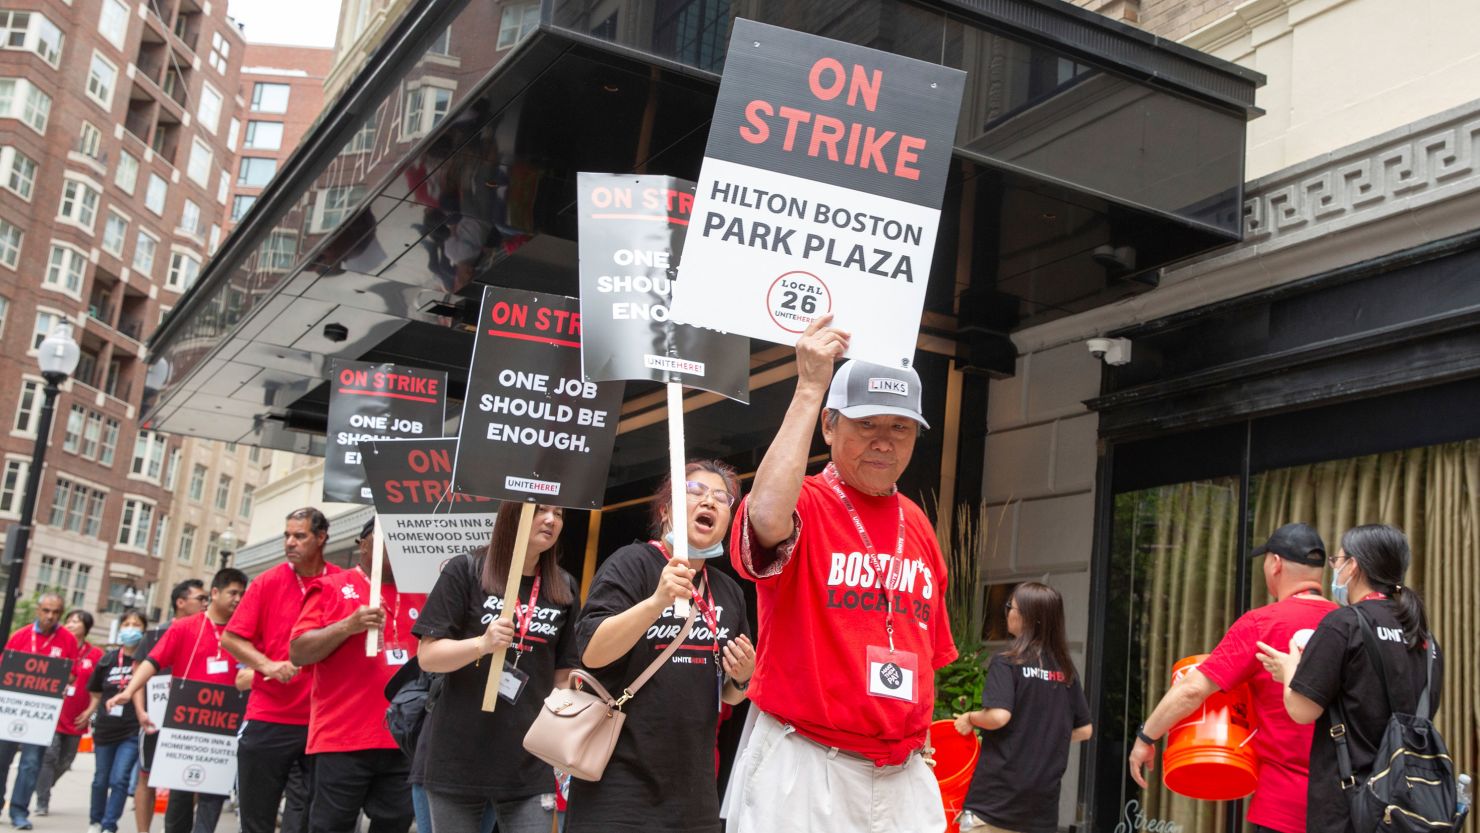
(662, 773)
(471, 751)
(1016, 783)
(110, 676)
(151, 638)
(1335, 668)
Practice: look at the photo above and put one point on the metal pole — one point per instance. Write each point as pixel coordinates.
(21, 532)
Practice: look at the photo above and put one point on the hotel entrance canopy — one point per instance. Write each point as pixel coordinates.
(1088, 156)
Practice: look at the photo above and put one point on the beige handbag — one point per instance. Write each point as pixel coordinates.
(577, 730)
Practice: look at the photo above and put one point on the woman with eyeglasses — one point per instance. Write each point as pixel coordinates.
(1032, 708)
(662, 774)
(1335, 672)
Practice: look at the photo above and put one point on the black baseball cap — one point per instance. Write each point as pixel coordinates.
(367, 530)
(1295, 542)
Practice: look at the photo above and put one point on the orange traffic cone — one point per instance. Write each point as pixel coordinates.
(161, 800)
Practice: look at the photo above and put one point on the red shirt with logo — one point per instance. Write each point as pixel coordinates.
(77, 696)
(348, 693)
(822, 607)
(59, 643)
(191, 648)
(1283, 746)
(265, 618)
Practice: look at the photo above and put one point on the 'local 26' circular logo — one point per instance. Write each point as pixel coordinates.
(795, 299)
(16, 728)
(194, 775)
(891, 676)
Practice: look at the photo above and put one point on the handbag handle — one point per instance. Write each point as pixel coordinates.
(648, 672)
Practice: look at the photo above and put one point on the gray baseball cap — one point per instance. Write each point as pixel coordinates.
(860, 389)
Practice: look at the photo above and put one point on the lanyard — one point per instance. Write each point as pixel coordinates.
(704, 604)
(215, 632)
(50, 638)
(830, 474)
(527, 617)
(1370, 596)
(303, 588)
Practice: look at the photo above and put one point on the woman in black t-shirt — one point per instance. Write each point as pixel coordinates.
(662, 773)
(1335, 669)
(1032, 708)
(474, 760)
(115, 731)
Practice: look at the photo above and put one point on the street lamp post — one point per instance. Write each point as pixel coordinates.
(226, 544)
(58, 358)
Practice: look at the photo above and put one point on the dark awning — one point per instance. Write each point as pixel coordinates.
(1089, 156)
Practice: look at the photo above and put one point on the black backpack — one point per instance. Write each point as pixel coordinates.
(412, 693)
(1412, 786)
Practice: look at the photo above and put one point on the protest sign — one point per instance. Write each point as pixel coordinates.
(532, 427)
(423, 522)
(32, 688)
(376, 402)
(820, 192)
(197, 740)
(156, 696)
(631, 233)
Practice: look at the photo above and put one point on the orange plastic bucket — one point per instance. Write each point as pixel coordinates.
(1208, 755)
(955, 761)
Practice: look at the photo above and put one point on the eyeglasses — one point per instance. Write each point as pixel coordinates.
(699, 490)
(1335, 560)
(203, 598)
(1008, 608)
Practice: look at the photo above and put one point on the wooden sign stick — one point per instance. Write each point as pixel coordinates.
(678, 511)
(377, 572)
(511, 601)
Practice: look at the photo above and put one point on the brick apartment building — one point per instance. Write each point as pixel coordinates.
(116, 160)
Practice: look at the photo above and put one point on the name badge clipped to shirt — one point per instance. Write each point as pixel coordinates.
(71, 690)
(116, 711)
(396, 656)
(217, 666)
(512, 683)
(892, 674)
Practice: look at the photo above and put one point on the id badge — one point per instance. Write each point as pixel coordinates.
(71, 690)
(116, 711)
(217, 666)
(512, 683)
(892, 674)
(396, 656)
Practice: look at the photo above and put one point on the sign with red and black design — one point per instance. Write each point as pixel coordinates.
(631, 233)
(197, 740)
(32, 688)
(423, 520)
(376, 402)
(820, 192)
(533, 429)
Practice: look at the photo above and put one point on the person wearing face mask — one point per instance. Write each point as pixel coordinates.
(48, 638)
(72, 723)
(116, 733)
(1295, 556)
(1334, 672)
(661, 775)
(475, 760)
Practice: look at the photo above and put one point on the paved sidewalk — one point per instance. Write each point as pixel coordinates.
(71, 796)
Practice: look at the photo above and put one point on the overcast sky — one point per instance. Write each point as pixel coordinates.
(294, 22)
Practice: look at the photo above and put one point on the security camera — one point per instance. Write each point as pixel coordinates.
(1115, 258)
(1112, 351)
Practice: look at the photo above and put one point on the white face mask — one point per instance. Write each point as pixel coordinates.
(1339, 592)
(718, 548)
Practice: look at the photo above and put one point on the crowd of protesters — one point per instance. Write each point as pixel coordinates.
(837, 735)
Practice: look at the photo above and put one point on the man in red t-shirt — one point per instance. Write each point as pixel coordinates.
(46, 637)
(275, 738)
(64, 743)
(850, 585)
(357, 765)
(191, 650)
(1294, 559)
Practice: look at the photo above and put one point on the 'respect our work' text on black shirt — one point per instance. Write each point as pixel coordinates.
(110, 676)
(1016, 783)
(1335, 668)
(662, 772)
(473, 752)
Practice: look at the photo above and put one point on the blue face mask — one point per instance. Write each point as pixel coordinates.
(707, 552)
(1339, 592)
(130, 636)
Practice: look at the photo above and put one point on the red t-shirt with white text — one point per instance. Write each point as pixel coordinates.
(821, 612)
(191, 648)
(1283, 746)
(265, 618)
(59, 643)
(349, 687)
(77, 695)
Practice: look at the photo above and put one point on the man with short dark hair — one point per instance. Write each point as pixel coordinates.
(187, 598)
(1294, 561)
(48, 638)
(72, 723)
(275, 737)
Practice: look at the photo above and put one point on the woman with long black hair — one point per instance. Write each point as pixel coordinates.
(661, 776)
(1335, 669)
(1033, 707)
(475, 759)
